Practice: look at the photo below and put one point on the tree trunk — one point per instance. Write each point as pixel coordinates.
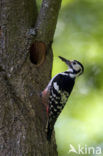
(25, 69)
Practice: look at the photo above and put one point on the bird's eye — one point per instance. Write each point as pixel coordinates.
(74, 63)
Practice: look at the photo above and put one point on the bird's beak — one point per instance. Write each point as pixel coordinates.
(68, 62)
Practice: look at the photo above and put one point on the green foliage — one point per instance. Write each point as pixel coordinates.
(79, 35)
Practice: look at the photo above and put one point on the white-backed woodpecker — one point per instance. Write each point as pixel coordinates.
(56, 94)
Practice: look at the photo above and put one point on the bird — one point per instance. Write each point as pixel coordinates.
(56, 94)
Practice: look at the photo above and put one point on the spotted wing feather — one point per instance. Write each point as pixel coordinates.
(57, 101)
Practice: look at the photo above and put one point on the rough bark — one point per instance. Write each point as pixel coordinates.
(22, 116)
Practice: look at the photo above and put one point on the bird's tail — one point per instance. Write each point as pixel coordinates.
(49, 130)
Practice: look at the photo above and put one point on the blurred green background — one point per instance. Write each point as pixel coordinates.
(79, 36)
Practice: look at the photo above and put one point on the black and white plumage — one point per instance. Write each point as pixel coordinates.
(58, 90)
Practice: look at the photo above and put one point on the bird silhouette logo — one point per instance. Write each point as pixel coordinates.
(72, 149)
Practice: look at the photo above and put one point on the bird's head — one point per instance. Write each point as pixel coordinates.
(75, 67)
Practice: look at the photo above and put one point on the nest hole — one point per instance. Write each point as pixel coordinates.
(37, 53)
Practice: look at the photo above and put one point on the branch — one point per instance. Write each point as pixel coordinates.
(47, 19)
(45, 28)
